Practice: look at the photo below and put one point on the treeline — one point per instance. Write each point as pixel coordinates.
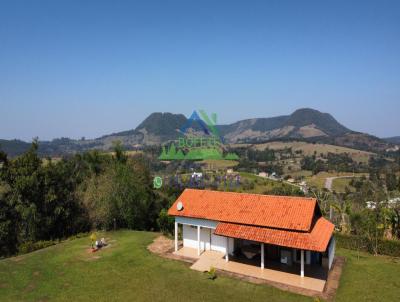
(47, 200)
(367, 213)
(252, 160)
(332, 162)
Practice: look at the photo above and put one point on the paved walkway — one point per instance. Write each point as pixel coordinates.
(216, 259)
(164, 247)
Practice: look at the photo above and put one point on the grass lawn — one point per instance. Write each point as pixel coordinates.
(219, 164)
(261, 184)
(126, 271)
(369, 278)
(340, 184)
(318, 180)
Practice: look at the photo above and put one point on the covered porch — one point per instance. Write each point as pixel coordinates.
(201, 238)
(272, 271)
(259, 260)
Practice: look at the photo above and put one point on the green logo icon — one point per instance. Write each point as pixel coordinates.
(157, 182)
(194, 146)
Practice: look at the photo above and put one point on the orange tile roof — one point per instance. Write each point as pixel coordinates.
(282, 212)
(316, 240)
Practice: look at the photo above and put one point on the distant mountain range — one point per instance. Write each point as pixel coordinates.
(159, 128)
(393, 140)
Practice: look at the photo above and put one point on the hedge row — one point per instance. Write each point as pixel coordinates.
(30, 246)
(385, 247)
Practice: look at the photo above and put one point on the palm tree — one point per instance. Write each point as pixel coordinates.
(343, 207)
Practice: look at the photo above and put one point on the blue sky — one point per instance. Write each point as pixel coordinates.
(88, 68)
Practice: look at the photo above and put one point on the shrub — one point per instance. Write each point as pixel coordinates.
(212, 274)
(165, 222)
(352, 242)
(30, 246)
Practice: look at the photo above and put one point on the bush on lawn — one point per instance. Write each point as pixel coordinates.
(212, 273)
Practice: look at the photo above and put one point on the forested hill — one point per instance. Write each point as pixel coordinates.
(158, 128)
(393, 140)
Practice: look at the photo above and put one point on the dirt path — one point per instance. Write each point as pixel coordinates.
(161, 245)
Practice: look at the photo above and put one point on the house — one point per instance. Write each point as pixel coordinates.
(390, 203)
(263, 174)
(197, 175)
(274, 176)
(229, 171)
(287, 233)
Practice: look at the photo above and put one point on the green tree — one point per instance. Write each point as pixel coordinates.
(8, 234)
(124, 193)
(165, 222)
(119, 153)
(343, 208)
(391, 181)
(39, 199)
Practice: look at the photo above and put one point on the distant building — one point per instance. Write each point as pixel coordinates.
(263, 174)
(197, 175)
(274, 176)
(371, 205)
(391, 203)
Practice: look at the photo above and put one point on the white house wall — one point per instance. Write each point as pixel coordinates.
(218, 243)
(194, 221)
(189, 235)
(205, 238)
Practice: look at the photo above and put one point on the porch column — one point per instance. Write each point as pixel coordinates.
(176, 236)
(302, 263)
(227, 250)
(262, 255)
(198, 240)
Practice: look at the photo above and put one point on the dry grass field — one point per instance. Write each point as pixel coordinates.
(338, 185)
(219, 164)
(310, 149)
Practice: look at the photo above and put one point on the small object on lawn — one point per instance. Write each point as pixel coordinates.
(212, 274)
(93, 238)
(99, 244)
(103, 242)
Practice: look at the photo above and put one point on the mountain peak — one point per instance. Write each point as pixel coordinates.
(162, 123)
(323, 121)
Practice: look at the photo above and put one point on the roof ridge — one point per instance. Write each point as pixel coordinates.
(269, 227)
(256, 194)
(274, 211)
